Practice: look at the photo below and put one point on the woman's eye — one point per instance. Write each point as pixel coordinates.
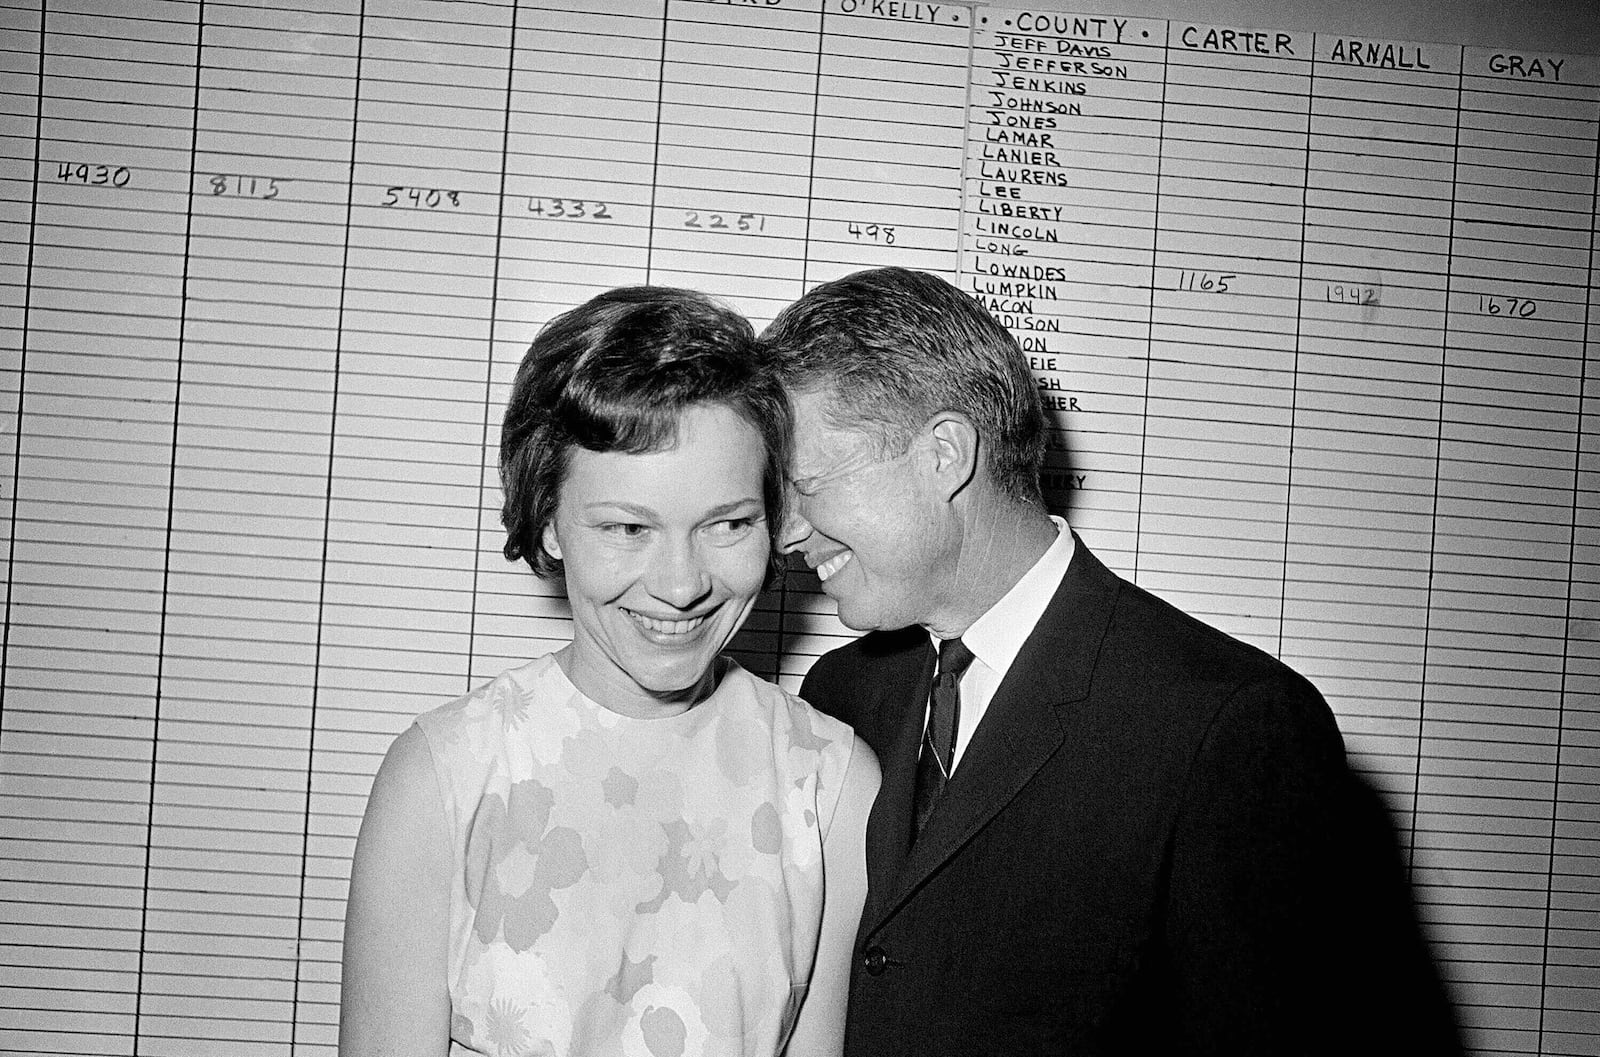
(624, 529)
(731, 528)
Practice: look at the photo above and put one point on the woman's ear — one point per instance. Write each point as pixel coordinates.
(548, 538)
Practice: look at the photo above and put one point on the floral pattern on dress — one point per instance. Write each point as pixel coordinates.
(631, 886)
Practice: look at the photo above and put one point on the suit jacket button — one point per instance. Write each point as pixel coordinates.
(875, 961)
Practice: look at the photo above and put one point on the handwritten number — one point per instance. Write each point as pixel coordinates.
(569, 208)
(1511, 307)
(420, 197)
(1205, 282)
(262, 187)
(744, 223)
(93, 175)
(1352, 294)
(883, 233)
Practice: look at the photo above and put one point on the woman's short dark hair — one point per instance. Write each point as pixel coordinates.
(616, 374)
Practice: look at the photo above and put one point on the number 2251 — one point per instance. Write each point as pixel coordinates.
(747, 223)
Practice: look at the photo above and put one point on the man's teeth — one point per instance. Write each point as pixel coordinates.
(833, 565)
(667, 627)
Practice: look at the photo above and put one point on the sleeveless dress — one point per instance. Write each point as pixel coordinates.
(627, 886)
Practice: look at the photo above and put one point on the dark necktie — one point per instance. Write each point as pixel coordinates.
(939, 739)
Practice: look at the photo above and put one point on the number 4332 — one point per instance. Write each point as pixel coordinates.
(568, 208)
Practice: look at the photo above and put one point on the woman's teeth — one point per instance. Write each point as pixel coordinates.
(667, 627)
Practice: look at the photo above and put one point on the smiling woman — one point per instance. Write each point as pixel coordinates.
(632, 844)
(667, 553)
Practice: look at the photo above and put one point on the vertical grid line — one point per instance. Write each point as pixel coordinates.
(655, 146)
(488, 372)
(22, 367)
(1438, 460)
(1294, 377)
(1566, 622)
(964, 211)
(327, 499)
(166, 555)
(1150, 316)
(780, 646)
(811, 178)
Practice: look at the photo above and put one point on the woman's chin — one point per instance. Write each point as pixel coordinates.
(675, 679)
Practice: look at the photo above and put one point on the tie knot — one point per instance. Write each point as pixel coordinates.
(954, 657)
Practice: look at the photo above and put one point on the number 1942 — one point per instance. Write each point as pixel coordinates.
(1353, 294)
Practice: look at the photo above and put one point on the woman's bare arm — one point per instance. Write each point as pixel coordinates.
(395, 997)
(819, 1029)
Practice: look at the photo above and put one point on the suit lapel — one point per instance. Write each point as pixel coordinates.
(908, 677)
(1023, 727)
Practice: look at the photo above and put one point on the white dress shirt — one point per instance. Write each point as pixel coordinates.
(996, 636)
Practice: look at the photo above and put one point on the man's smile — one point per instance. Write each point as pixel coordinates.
(833, 565)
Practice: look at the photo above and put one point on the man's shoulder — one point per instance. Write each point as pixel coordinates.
(863, 657)
(1169, 638)
(841, 680)
(1178, 673)
(1161, 665)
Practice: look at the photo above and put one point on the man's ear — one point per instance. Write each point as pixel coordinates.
(954, 451)
(552, 545)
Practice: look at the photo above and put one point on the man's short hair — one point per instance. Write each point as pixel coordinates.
(616, 374)
(891, 347)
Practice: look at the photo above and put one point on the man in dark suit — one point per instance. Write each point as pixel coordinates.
(1104, 827)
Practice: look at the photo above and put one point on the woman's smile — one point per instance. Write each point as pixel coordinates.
(665, 628)
(664, 553)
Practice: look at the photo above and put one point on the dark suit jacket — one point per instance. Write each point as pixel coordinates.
(1151, 845)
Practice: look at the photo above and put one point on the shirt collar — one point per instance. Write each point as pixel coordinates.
(996, 637)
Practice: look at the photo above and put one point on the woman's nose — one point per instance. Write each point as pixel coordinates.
(680, 578)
